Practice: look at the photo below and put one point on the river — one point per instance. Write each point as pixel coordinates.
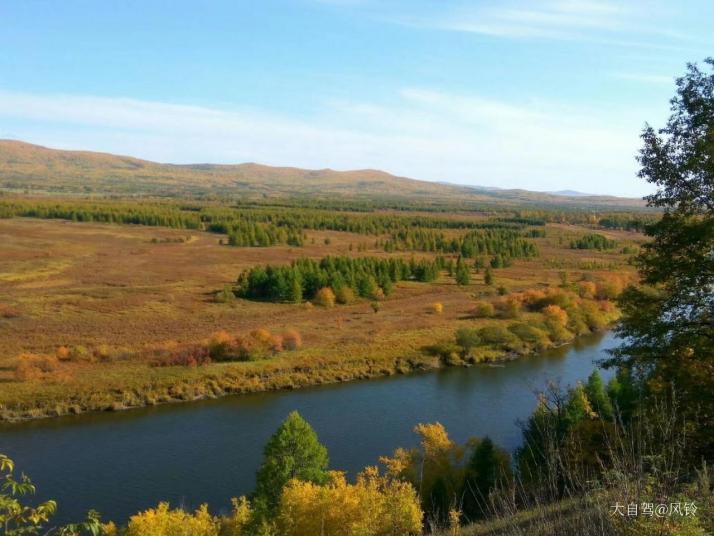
(208, 451)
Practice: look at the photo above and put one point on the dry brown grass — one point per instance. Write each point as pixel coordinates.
(105, 293)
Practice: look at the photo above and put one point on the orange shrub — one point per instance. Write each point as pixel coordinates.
(32, 367)
(556, 314)
(63, 353)
(555, 320)
(325, 297)
(276, 343)
(437, 308)
(262, 335)
(219, 345)
(260, 344)
(532, 296)
(187, 356)
(537, 300)
(610, 288)
(292, 340)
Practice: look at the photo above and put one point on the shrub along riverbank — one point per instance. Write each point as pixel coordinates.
(518, 324)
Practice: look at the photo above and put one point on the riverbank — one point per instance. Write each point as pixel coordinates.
(209, 450)
(125, 386)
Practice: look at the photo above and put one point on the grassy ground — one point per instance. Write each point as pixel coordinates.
(129, 287)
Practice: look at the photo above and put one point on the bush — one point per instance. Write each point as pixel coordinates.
(587, 289)
(292, 340)
(556, 314)
(537, 300)
(80, 353)
(345, 295)
(508, 307)
(610, 288)
(247, 348)
(375, 504)
(220, 346)
(225, 295)
(187, 356)
(275, 343)
(325, 297)
(483, 309)
(531, 335)
(497, 336)
(467, 338)
(376, 306)
(163, 521)
(594, 315)
(555, 320)
(445, 351)
(34, 367)
(437, 308)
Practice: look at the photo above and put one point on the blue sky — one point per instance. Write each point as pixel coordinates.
(543, 95)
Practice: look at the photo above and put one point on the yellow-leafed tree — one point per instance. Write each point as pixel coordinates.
(376, 505)
(161, 521)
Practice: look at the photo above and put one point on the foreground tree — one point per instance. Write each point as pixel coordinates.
(375, 505)
(489, 468)
(293, 452)
(668, 321)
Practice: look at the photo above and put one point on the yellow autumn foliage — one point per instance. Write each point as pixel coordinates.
(434, 438)
(161, 521)
(376, 505)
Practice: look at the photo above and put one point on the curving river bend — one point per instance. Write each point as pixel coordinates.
(208, 451)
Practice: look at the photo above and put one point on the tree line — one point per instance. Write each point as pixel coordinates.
(504, 242)
(302, 279)
(593, 241)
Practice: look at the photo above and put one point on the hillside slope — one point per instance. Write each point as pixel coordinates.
(28, 167)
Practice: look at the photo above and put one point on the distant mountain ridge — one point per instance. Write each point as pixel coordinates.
(37, 169)
(571, 193)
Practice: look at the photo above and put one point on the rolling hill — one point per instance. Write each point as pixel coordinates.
(25, 167)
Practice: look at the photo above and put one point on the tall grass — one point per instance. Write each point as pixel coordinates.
(577, 489)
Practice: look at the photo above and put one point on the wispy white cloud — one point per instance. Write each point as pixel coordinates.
(632, 23)
(556, 20)
(427, 134)
(644, 78)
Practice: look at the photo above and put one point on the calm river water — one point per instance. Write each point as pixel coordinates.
(208, 451)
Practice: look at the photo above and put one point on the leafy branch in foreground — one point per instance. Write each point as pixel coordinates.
(18, 518)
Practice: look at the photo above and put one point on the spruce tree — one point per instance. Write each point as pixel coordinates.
(292, 452)
(488, 276)
(462, 273)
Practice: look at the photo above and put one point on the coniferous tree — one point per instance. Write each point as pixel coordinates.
(293, 451)
(488, 276)
(462, 273)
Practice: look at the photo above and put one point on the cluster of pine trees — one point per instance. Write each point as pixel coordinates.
(153, 214)
(303, 278)
(505, 242)
(250, 234)
(593, 241)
